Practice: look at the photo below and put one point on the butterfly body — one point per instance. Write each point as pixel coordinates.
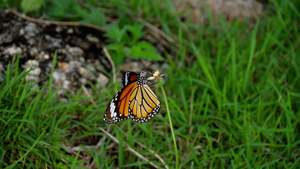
(136, 101)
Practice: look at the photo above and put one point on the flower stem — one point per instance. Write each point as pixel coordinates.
(171, 126)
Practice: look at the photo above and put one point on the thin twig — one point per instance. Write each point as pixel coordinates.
(78, 148)
(155, 29)
(129, 148)
(153, 152)
(104, 137)
(88, 94)
(101, 141)
(52, 22)
(112, 64)
(165, 38)
(147, 24)
(71, 150)
(150, 150)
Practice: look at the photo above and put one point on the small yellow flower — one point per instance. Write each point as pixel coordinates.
(156, 75)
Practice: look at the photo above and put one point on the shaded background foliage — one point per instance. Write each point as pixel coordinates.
(231, 80)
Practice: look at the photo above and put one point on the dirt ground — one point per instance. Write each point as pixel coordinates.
(80, 48)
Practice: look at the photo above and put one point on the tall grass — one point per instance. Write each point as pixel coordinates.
(30, 118)
(233, 94)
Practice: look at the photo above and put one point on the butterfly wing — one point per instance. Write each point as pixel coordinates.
(118, 109)
(136, 101)
(129, 77)
(143, 104)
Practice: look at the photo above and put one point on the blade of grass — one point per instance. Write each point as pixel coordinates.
(28, 151)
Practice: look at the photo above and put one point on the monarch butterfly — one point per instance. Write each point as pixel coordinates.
(135, 100)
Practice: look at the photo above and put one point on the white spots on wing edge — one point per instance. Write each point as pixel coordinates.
(112, 110)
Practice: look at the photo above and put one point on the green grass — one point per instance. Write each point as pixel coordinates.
(233, 94)
(30, 118)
